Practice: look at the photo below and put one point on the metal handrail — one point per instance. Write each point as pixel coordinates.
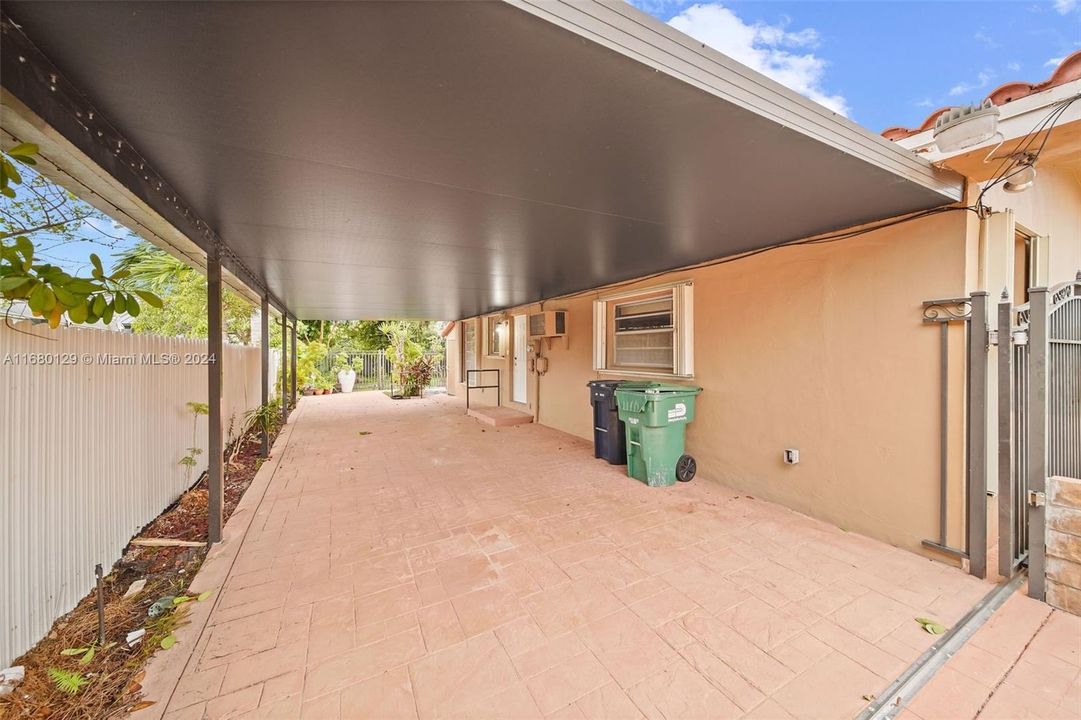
(469, 386)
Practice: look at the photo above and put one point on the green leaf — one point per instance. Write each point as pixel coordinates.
(7, 192)
(79, 312)
(99, 305)
(96, 261)
(50, 299)
(85, 660)
(181, 599)
(13, 281)
(119, 302)
(25, 247)
(924, 621)
(150, 298)
(204, 595)
(934, 628)
(168, 641)
(24, 150)
(133, 306)
(66, 681)
(107, 315)
(36, 301)
(65, 297)
(120, 274)
(73, 651)
(12, 173)
(82, 286)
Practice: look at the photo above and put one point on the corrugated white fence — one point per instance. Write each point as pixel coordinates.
(93, 425)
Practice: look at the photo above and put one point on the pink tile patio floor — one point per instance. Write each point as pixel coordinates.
(436, 568)
(1024, 663)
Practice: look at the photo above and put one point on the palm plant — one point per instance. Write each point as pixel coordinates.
(152, 268)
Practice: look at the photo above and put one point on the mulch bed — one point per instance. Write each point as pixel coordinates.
(113, 675)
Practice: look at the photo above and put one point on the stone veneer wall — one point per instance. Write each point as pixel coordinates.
(1064, 544)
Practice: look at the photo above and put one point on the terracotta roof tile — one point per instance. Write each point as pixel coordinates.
(1067, 71)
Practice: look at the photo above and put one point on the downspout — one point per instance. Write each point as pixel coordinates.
(981, 253)
(536, 372)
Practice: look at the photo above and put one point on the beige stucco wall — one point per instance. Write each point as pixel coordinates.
(820, 348)
(1051, 207)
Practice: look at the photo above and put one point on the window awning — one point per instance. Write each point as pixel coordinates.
(441, 160)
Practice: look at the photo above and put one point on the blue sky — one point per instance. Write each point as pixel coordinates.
(885, 63)
(96, 234)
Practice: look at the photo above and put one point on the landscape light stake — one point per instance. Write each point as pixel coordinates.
(101, 606)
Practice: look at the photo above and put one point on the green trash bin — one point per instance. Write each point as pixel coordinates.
(656, 415)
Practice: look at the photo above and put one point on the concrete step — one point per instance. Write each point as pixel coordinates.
(500, 416)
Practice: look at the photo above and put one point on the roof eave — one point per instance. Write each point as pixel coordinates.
(625, 29)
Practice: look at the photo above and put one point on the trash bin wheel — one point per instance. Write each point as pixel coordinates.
(686, 467)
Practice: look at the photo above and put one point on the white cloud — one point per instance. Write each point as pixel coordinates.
(769, 49)
(1013, 66)
(101, 225)
(988, 41)
(1065, 6)
(983, 79)
(1054, 62)
(925, 103)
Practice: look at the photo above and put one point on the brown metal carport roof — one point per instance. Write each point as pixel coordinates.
(444, 159)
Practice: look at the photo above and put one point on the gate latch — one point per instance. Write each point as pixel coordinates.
(992, 338)
(1036, 498)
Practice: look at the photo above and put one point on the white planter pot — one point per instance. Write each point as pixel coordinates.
(347, 378)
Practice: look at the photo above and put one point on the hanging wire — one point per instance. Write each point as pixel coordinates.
(1022, 156)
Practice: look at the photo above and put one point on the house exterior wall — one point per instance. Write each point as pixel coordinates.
(1051, 208)
(821, 348)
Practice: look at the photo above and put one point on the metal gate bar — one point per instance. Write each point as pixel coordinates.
(1037, 439)
(976, 443)
(1012, 544)
(943, 312)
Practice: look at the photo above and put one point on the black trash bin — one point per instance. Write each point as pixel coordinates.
(609, 433)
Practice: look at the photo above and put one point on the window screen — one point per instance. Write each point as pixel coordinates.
(644, 334)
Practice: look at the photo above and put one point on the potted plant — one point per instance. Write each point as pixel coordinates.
(347, 376)
(325, 384)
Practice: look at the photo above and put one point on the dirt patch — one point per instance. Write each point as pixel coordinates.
(110, 678)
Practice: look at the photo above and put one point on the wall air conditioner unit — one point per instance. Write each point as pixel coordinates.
(548, 324)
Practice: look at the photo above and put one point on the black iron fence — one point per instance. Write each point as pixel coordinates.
(374, 371)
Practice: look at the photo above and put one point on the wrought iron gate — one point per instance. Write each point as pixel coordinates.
(972, 313)
(1039, 413)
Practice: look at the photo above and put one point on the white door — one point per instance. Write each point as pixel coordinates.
(520, 360)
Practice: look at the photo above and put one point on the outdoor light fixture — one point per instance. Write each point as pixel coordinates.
(1021, 176)
(965, 126)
